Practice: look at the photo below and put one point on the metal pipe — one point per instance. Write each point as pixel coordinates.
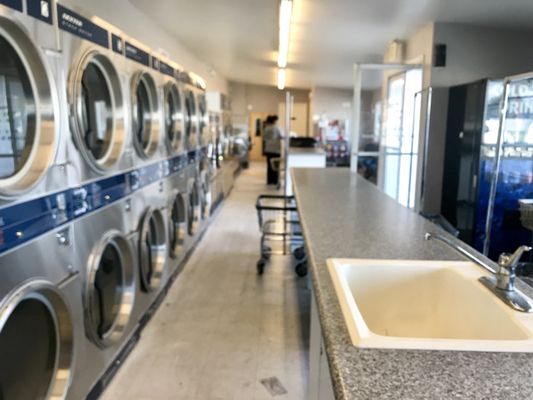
(496, 168)
(427, 122)
(460, 249)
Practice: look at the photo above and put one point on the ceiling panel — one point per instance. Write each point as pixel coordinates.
(239, 37)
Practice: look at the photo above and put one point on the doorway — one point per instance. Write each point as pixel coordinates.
(255, 127)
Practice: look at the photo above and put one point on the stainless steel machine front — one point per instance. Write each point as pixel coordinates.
(191, 119)
(145, 111)
(32, 154)
(40, 325)
(174, 117)
(151, 244)
(104, 243)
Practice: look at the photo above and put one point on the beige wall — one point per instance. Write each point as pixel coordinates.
(332, 103)
(136, 24)
(246, 98)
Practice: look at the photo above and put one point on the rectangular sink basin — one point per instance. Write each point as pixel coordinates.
(432, 305)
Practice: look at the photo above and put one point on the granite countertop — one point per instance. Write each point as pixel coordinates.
(345, 216)
(307, 150)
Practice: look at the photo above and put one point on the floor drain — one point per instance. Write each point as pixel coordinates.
(274, 386)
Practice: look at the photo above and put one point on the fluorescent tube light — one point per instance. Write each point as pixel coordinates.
(285, 13)
(281, 79)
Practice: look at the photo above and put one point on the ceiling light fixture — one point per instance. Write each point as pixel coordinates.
(281, 78)
(285, 14)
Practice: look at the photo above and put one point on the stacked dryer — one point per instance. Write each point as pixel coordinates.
(176, 139)
(104, 189)
(97, 133)
(150, 153)
(39, 286)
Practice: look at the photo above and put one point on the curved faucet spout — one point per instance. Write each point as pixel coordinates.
(460, 249)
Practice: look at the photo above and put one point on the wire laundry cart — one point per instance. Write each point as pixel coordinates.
(281, 232)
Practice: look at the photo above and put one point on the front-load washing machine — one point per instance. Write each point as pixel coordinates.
(96, 105)
(151, 245)
(177, 199)
(145, 105)
(41, 330)
(173, 114)
(104, 242)
(190, 92)
(204, 137)
(216, 156)
(32, 149)
(205, 175)
(194, 203)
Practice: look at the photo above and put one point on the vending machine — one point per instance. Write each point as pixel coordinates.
(487, 170)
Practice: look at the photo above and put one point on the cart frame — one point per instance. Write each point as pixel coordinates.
(279, 223)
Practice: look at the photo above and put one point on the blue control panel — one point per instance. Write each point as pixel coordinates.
(22, 222)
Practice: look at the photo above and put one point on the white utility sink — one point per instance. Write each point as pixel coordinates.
(437, 305)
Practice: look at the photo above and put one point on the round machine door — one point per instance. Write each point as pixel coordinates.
(193, 208)
(203, 119)
(177, 225)
(97, 108)
(173, 117)
(205, 189)
(145, 111)
(111, 289)
(152, 250)
(36, 343)
(190, 121)
(211, 143)
(29, 127)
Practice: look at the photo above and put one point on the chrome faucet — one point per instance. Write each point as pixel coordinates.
(507, 265)
(502, 281)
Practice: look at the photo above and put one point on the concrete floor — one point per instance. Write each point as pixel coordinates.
(222, 329)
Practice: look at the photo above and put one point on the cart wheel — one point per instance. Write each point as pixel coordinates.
(299, 253)
(260, 267)
(301, 269)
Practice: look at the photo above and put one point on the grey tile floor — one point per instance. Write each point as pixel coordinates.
(222, 329)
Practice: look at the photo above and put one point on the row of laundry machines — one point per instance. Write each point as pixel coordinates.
(106, 166)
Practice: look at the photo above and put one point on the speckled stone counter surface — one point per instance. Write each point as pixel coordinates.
(345, 216)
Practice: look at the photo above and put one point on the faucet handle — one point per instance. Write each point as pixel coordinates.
(510, 261)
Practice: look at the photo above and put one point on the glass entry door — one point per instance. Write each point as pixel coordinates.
(399, 150)
(387, 114)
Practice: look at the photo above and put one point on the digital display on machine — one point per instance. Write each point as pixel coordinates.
(136, 54)
(14, 4)
(166, 69)
(40, 9)
(77, 25)
(117, 44)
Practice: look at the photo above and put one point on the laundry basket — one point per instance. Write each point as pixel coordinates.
(281, 232)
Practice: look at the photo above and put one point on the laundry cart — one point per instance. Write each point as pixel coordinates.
(281, 233)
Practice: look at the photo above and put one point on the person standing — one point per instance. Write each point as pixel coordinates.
(272, 143)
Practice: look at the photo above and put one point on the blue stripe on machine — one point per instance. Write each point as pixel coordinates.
(80, 26)
(25, 221)
(136, 54)
(40, 9)
(14, 4)
(22, 222)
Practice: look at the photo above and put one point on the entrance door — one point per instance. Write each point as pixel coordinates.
(299, 118)
(255, 122)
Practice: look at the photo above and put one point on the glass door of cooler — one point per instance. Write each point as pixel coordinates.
(508, 161)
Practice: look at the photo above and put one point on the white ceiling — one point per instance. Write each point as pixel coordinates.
(239, 37)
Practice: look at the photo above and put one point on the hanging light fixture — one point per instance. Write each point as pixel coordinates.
(281, 78)
(285, 14)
